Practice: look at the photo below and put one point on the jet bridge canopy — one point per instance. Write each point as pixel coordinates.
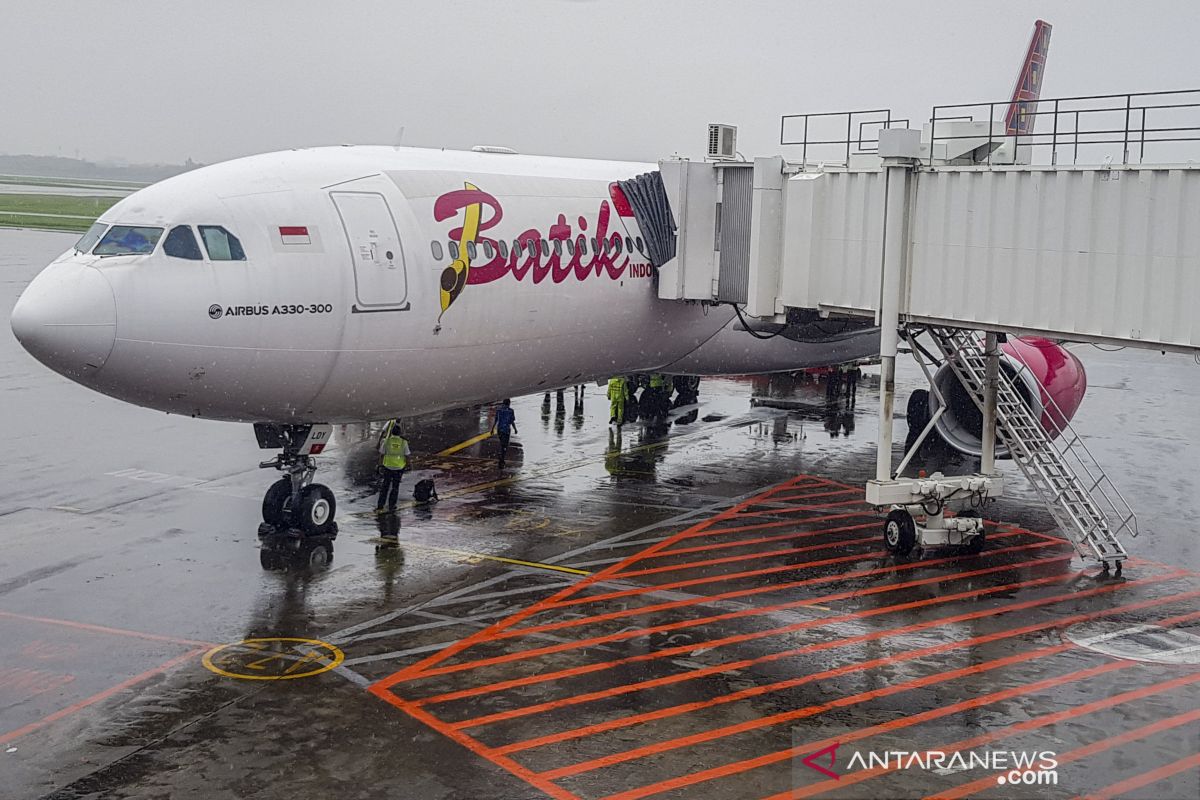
(1105, 252)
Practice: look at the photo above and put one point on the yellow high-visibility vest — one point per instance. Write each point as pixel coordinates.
(393, 454)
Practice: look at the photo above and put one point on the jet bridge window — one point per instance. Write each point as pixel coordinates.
(181, 243)
(221, 244)
(128, 240)
(89, 239)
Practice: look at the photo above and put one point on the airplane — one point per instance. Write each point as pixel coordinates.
(301, 289)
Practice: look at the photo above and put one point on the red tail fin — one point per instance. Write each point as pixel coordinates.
(1022, 109)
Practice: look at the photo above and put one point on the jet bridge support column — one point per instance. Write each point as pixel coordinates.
(890, 285)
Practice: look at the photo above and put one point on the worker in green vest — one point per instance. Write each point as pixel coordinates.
(393, 452)
(618, 393)
(659, 395)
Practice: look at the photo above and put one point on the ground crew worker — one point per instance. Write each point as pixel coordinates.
(504, 426)
(852, 376)
(393, 451)
(659, 394)
(618, 393)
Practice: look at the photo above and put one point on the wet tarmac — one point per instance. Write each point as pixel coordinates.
(700, 608)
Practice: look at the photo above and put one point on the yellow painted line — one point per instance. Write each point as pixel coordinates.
(465, 445)
(326, 655)
(501, 559)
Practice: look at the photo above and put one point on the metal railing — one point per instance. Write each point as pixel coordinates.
(1108, 128)
(831, 123)
(1091, 129)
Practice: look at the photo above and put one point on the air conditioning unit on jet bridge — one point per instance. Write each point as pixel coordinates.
(722, 142)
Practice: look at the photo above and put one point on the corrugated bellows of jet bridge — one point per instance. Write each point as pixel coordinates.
(647, 197)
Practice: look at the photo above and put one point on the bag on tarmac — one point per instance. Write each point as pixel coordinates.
(424, 491)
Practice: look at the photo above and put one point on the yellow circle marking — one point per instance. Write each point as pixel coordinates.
(276, 658)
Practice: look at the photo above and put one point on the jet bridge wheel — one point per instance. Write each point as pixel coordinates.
(317, 507)
(975, 544)
(276, 502)
(899, 532)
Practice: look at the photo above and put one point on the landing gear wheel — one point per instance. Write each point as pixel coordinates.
(319, 556)
(271, 560)
(317, 507)
(276, 502)
(899, 532)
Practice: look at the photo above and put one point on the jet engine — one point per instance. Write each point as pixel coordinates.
(1042, 371)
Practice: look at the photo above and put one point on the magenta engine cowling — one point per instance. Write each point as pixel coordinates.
(1050, 379)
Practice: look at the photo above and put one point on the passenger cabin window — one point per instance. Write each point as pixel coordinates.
(503, 245)
(617, 244)
(452, 246)
(558, 247)
(471, 250)
(181, 243)
(89, 239)
(570, 247)
(545, 248)
(128, 240)
(221, 244)
(488, 252)
(582, 246)
(436, 247)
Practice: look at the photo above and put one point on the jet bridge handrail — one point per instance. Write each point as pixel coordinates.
(1080, 122)
(861, 118)
(1067, 441)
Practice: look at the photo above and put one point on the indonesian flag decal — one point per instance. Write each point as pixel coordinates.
(625, 212)
(294, 234)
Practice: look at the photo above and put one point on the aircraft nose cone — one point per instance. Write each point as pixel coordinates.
(67, 319)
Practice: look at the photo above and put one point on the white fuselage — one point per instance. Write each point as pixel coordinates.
(340, 310)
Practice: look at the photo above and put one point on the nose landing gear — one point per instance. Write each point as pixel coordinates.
(294, 502)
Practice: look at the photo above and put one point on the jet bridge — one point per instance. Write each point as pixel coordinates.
(1068, 231)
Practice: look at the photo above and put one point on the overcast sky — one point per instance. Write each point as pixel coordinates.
(165, 80)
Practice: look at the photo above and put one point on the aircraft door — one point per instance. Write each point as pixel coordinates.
(380, 279)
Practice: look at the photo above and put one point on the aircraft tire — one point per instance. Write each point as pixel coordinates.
(317, 507)
(276, 501)
(899, 532)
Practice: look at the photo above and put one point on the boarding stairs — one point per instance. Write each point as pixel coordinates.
(1068, 479)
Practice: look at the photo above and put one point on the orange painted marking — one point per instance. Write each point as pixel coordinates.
(96, 698)
(1000, 733)
(779, 537)
(757, 590)
(745, 765)
(84, 626)
(795, 714)
(828, 674)
(747, 557)
(778, 524)
(503, 624)
(1082, 752)
(735, 639)
(1147, 778)
(474, 745)
(754, 573)
(621, 722)
(796, 497)
(671, 626)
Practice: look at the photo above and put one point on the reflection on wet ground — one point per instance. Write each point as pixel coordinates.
(677, 608)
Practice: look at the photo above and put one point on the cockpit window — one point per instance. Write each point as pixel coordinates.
(89, 239)
(221, 244)
(181, 243)
(128, 240)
